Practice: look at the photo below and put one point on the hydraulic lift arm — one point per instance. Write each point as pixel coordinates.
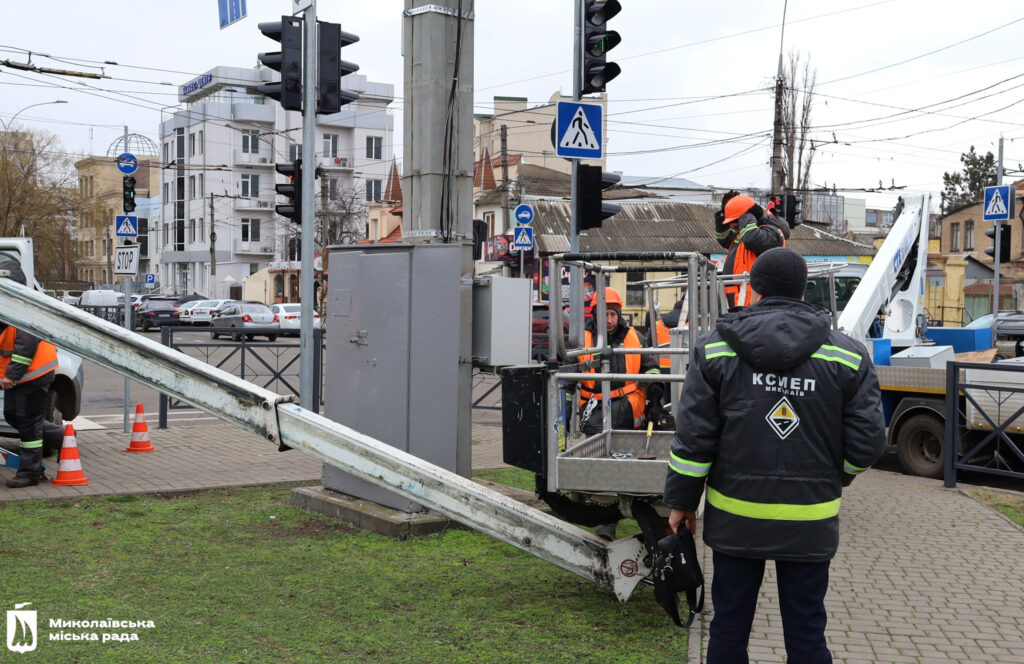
(894, 282)
(619, 566)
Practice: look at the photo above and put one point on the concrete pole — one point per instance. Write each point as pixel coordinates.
(309, 80)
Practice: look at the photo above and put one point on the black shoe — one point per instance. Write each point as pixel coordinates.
(607, 532)
(22, 481)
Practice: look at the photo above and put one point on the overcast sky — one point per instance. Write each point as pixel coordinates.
(692, 73)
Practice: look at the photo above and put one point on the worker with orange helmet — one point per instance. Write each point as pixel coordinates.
(628, 399)
(745, 231)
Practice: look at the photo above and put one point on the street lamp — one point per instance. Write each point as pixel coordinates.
(44, 103)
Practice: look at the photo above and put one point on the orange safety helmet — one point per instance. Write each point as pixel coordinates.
(737, 207)
(612, 298)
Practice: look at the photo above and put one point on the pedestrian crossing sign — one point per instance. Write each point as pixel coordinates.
(126, 226)
(522, 238)
(578, 130)
(998, 203)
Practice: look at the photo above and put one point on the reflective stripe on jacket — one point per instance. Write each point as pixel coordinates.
(631, 363)
(17, 364)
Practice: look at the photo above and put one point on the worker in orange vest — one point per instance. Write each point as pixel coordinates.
(27, 368)
(745, 231)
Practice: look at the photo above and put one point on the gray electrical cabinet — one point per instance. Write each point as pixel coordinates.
(502, 328)
(399, 355)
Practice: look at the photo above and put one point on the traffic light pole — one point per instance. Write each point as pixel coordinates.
(309, 74)
(126, 286)
(576, 319)
(996, 255)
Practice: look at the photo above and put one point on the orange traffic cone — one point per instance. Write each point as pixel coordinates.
(69, 472)
(140, 433)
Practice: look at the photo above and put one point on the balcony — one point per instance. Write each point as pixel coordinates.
(253, 248)
(334, 163)
(250, 159)
(255, 203)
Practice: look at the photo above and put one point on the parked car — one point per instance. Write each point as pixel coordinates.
(288, 316)
(154, 313)
(245, 315)
(539, 328)
(185, 312)
(185, 299)
(71, 297)
(202, 311)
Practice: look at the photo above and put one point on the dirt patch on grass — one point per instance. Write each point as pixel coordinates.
(312, 528)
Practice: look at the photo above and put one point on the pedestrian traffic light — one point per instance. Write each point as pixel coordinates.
(288, 61)
(331, 68)
(791, 210)
(1004, 243)
(590, 182)
(595, 71)
(292, 189)
(129, 193)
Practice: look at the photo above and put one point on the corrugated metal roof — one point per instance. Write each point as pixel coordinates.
(651, 225)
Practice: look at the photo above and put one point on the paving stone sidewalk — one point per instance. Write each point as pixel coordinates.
(924, 575)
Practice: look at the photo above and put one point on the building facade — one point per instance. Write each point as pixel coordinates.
(218, 223)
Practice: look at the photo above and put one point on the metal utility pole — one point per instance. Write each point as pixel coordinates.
(127, 287)
(575, 298)
(309, 74)
(995, 256)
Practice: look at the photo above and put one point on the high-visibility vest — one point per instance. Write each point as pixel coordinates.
(45, 359)
(741, 264)
(664, 361)
(636, 395)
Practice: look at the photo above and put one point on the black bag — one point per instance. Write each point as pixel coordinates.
(675, 567)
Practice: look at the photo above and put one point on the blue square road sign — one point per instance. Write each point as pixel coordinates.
(579, 131)
(999, 203)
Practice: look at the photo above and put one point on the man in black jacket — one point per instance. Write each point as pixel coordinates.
(777, 414)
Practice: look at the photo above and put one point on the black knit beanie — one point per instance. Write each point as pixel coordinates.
(779, 272)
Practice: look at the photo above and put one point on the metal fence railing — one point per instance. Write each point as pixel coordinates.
(984, 419)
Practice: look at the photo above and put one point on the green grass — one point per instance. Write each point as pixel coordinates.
(1011, 506)
(514, 477)
(241, 576)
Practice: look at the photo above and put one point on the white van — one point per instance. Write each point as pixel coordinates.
(99, 298)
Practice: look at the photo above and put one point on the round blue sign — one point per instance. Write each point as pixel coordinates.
(127, 163)
(524, 214)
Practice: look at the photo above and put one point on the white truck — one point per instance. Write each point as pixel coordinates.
(65, 397)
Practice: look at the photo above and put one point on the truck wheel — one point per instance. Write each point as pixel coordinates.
(921, 445)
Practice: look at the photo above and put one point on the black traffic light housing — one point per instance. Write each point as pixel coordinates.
(591, 181)
(288, 61)
(791, 210)
(128, 193)
(595, 70)
(1004, 242)
(291, 210)
(331, 68)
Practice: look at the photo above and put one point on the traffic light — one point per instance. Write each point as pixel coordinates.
(591, 181)
(1004, 242)
(791, 210)
(128, 192)
(292, 190)
(331, 68)
(288, 61)
(595, 71)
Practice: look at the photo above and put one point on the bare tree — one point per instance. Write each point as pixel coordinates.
(344, 216)
(798, 99)
(39, 198)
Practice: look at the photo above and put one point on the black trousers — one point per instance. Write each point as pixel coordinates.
(25, 410)
(734, 590)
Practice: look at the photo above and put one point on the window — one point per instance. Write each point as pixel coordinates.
(969, 235)
(191, 186)
(191, 230)
(250, 230)
(167, 191)
(250, 185)
(191, 144)
(954, 237)
(294, 152)
(200, 188)
(202, 235)
(254, 268)
(373, 147)
(332, 188)
(373, 190)
(330, 145)
(251, 141)
(199, 142)
(634, 294)
(489, 220)
(167, 152)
